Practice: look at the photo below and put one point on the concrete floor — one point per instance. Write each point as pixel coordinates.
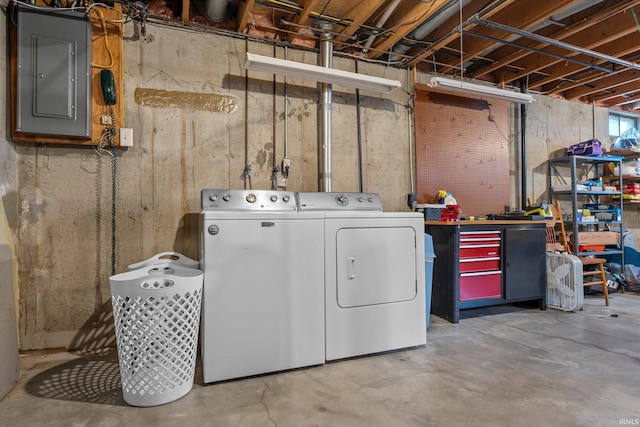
(500, 366)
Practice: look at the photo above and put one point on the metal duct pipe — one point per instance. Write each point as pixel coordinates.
(385, 16)
(446, 12)
(324, 110)
(359, 136)
(215, 9)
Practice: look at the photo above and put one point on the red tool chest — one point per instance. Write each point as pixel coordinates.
(480, 267)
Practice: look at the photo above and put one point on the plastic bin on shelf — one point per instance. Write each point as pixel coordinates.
(156, 311)
(166, 257)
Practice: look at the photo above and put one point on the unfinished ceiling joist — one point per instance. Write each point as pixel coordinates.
(558, 43)
(547, 42)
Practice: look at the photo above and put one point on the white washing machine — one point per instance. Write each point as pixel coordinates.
(374, 274)
(263, 298)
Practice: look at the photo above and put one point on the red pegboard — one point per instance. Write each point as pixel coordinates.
(462, 146)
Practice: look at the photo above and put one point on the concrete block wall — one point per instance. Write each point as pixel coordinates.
(58, 198)
(553, 125)
(63, 225)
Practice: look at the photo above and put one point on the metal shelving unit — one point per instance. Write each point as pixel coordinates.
(566, 175)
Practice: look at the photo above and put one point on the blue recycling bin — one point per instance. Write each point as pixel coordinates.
(429, 256)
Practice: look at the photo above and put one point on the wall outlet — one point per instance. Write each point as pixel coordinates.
(126, 137)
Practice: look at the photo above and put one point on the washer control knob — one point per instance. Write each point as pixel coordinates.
(342, 200)
(213, 197)
(226, 197)
(360, 199)
(285, 198)
(370, 199)
(251, 198)
(273, 198)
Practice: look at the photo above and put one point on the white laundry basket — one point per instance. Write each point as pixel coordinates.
(168, 257)
(156, 311)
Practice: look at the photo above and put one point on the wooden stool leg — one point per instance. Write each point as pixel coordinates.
(603, 278)
(599, 272)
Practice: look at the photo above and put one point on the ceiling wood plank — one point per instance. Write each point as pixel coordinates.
(612, 29)
(513, 16)
(603, 84)
(624, 102)
(607, 27)
(301, 19)
(360, 12)
(186, 9)
(561, 35)
(618, 92)
(244, 10)
(619, 48)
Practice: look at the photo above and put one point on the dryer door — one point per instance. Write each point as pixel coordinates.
(375, 266)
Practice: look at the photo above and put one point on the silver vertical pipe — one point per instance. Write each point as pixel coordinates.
(324, 112)
(410, 114)
(286, 112)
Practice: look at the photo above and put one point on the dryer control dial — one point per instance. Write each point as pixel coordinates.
(273, 198)
(251, 198)
(213, 197)
(226, 197)
(285, 198)
(342, 200)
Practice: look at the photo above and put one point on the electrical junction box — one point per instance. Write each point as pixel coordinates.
(53, 94)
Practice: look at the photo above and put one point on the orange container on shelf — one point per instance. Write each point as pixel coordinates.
(596, 248)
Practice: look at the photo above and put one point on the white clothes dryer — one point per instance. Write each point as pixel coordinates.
(263, 297)
(374, 274)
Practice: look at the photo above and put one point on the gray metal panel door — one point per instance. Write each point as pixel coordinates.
(54, 77)
(525, 269)
(54, 72)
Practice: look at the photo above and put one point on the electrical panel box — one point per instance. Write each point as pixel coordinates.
(54, 72)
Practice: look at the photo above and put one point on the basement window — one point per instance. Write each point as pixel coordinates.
(618, 123)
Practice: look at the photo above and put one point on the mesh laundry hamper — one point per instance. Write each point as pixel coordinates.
(156, 311)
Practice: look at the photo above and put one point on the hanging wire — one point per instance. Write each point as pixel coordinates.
(106, 37)
(461, 51)
(107, 146)
(98, 231)
(114, 173)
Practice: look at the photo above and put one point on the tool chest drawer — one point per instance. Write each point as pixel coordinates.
(480, 285)
(480, 251)
(479, 237)
(469, 265)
